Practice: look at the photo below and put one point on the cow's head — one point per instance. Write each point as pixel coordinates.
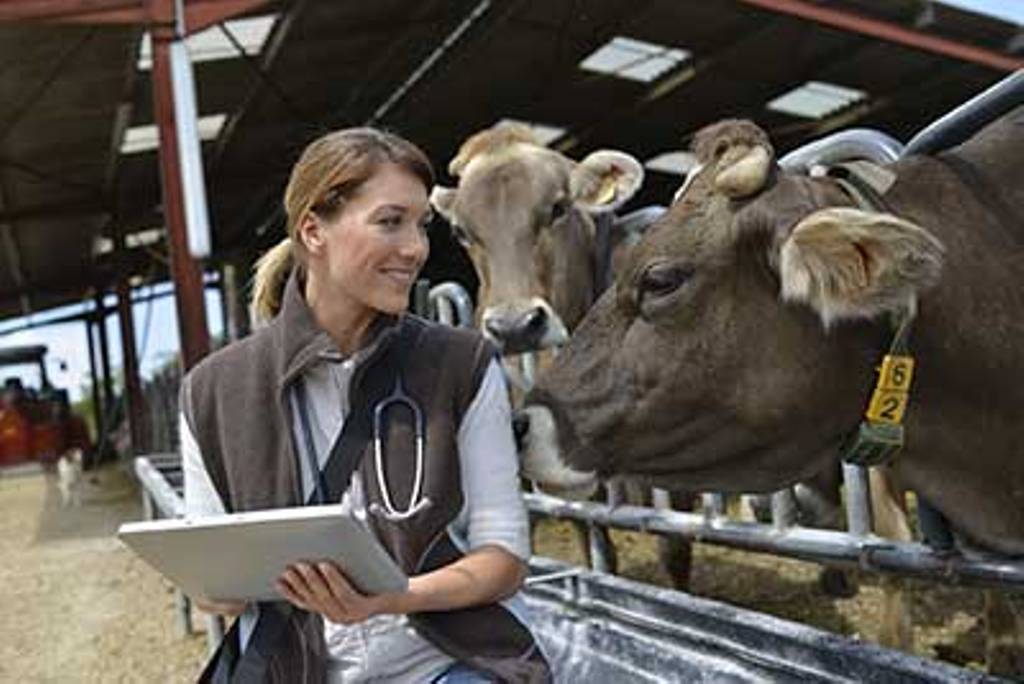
(739, 342)
(524, 213)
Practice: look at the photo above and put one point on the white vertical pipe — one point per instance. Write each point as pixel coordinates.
(190, 156)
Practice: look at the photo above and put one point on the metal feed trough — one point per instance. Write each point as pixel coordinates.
(596, 627)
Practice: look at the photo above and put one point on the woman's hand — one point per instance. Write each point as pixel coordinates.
(322, 588)
(227, 608)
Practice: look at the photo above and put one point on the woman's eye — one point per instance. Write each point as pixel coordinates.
(661, 280)
(391, 222)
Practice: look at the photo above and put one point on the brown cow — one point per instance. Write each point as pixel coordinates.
(526, 215)
(738, 346)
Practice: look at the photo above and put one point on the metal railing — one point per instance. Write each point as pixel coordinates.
(162, 497)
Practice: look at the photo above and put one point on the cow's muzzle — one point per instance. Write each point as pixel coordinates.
(537, 439)
(516, 330)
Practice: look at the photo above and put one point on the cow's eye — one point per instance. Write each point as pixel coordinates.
(558, 210)
(660, 280)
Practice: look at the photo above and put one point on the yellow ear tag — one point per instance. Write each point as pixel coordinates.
(609, 188)
(892, 392)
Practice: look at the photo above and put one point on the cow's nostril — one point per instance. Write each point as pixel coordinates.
(520, 426)
(536, 319)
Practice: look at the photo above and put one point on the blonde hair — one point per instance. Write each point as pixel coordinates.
(328, 172)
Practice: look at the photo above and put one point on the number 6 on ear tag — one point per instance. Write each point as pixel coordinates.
(892, 392)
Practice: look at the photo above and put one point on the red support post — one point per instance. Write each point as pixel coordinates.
(130, 364)
(188, 278)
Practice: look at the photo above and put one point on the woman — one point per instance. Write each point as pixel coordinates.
(283, 418)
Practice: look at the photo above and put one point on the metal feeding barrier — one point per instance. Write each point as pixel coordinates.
(162, 497)
(601, 628)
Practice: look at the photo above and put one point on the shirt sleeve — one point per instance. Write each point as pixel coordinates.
(490, 470)
(201, 497)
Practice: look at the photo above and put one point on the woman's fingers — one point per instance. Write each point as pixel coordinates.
(324, 589)
(338, 583)
(285, 587)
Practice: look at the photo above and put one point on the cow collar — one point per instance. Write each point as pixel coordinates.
(880, 435)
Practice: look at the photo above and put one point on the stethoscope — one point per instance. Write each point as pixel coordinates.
(417, 502)
(396, 399)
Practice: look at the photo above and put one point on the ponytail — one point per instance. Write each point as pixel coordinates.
(272, 271)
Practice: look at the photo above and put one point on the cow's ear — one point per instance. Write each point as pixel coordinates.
(443, 201)
(605, 180)
(745, 171)
(848, 263)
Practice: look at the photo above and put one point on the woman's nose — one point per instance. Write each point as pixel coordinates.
(416, 246)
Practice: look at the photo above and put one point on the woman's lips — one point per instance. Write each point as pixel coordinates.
(400, 276)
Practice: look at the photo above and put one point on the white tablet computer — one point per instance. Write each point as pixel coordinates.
(239, 556)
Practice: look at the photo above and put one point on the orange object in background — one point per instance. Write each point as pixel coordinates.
(47, 441)
(15, 436)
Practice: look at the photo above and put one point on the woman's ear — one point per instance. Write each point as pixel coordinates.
(311, 233)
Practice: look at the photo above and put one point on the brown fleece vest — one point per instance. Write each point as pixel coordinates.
(236, 404)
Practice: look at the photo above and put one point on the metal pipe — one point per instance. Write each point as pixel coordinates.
(857, 499)
(450, 40)
(167, 502)
(108, 382)
(822, 546)
(713, 504)
(130, 364)
(453, 299)
(97, 403)
(855, 143)
(600, 547)
(964, 121)
(783, 509)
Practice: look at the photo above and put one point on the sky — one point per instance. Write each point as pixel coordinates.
(1008, 10)
(68, 345)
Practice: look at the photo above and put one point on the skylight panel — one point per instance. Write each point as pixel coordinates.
(676, 163)
(1011, 11)
(635, 60)
(144, 138)
(545, 133)
(104, 245)
(816, 99)
(211, 44)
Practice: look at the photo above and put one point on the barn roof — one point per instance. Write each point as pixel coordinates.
(436, 71)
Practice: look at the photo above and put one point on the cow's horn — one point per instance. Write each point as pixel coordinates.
(746, 176)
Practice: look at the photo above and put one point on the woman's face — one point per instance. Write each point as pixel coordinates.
(373, 250)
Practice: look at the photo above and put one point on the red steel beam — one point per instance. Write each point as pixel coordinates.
(187, 276)
(199, 14)
(893, 33)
